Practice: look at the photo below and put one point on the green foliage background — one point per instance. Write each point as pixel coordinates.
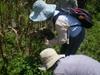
(19, 49)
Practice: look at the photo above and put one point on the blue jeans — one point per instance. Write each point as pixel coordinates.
(76, 36)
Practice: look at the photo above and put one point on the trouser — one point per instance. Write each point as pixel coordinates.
(75, 39)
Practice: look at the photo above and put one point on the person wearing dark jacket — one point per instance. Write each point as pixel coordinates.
(65, 4)
(81, 3)
(71, 3)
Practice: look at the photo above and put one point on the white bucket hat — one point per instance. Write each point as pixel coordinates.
(42, 11)
(49, 57)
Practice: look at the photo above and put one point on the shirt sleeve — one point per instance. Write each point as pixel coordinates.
(61, 28)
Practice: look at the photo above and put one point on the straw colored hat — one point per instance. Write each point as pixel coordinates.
(49, 58)
(42, 11)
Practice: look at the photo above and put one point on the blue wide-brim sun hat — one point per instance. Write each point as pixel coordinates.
(42, 11)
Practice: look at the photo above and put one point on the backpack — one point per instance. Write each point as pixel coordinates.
(82, 15)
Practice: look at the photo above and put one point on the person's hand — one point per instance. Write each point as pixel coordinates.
(46, 42)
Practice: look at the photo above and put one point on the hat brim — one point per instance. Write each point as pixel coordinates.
(43, 14)
(51, 63)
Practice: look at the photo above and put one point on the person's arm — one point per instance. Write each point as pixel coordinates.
(61, 37)
(61, 28)
(51, 42)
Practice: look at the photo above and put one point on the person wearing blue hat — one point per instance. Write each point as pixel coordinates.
(69, 29)
(42, 11)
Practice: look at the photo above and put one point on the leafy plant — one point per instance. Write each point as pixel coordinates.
(19, 49)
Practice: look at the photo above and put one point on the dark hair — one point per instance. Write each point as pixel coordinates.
(46, 33)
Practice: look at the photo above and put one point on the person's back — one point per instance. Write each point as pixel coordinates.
(77, 65)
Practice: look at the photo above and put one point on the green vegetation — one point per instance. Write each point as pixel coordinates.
(19, 49)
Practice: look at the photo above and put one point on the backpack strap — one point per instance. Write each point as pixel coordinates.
(62, 12)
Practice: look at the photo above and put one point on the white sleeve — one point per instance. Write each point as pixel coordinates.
(61, 28)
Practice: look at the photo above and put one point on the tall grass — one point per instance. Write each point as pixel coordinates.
(19, 49)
